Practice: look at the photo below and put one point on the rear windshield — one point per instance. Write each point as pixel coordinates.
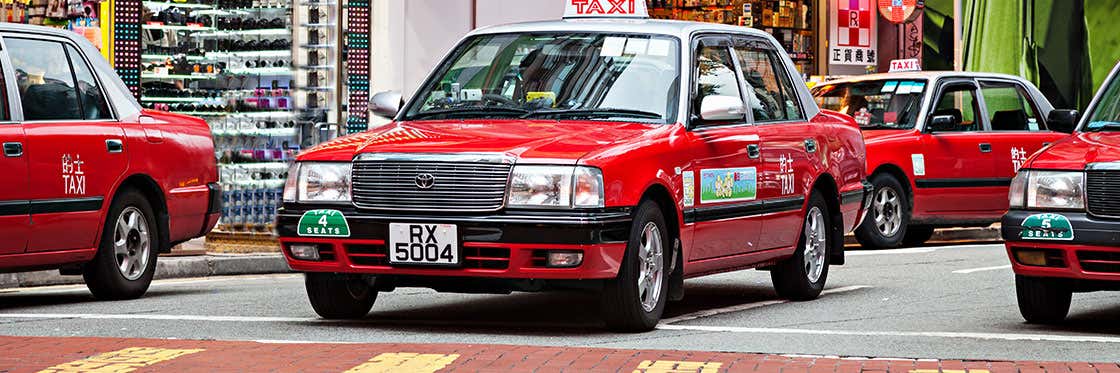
(877, 104)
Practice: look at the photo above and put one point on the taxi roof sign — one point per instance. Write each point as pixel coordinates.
(606, 9)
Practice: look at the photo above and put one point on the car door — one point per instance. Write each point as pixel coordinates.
(725, 161)
(1018, 124)
(958, 163)
(14, 200)
(75, 146)
(787, 140)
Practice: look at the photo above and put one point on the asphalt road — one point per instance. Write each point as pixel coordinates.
(945, 302)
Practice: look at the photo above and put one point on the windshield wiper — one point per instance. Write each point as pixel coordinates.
(471, 111)
(593, 113)
(1103, 126)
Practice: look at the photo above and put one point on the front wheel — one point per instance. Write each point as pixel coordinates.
(889, 215)
(1042, 300)
(635, 300)
(126, 258)
(802, 277)
(339, 297)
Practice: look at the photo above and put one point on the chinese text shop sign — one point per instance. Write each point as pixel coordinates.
(852, 36)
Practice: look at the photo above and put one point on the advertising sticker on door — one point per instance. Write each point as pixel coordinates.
(688, 188)
(728, 185)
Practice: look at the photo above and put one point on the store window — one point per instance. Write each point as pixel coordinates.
(959, 101)
(46, 84)
(1009, 108)
(93, 102)
(715, 76)
(770, 93)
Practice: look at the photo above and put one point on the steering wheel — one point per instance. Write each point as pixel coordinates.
(496, 98)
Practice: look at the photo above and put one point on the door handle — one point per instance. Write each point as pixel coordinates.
(811, 145)
(114, 146)
(985, 148)
(754, 151)
(13, 149)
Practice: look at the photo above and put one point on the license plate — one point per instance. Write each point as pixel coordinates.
(423, 244)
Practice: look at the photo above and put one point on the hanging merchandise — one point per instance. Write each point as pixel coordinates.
(82, 17)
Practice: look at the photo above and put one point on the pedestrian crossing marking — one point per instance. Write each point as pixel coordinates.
(405, 362)
(122, 361)
(666, 366)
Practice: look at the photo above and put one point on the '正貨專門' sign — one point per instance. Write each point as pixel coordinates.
(852, 35)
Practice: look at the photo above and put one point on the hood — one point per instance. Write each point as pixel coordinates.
(873, 136)
(1078, 151)
(558, 142)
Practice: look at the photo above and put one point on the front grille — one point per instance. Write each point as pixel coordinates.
(1103, 193)
(1099, 261)
(381, 184)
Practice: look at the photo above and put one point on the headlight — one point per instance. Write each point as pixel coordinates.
(1056, 190)
(556, 187)
(323, 182)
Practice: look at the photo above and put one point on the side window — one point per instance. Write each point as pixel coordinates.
(46, 84)
(715, 75)
(769, 90)
(960, 102)
(1009, 107)
(93, 102)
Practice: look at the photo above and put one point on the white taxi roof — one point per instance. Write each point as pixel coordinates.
(682, 29)
(927, 75)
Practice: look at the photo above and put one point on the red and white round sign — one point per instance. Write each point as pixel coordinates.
(900, 11)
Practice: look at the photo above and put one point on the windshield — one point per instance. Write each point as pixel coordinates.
(608, 77)
(1106, 115)
(878, 104)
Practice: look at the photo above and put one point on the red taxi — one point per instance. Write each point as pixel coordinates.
(942, 147)
(1063, 230)
(614, 155)
(87, 183)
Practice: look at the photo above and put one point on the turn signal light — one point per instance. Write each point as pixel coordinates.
(304, 252)
(564, 259)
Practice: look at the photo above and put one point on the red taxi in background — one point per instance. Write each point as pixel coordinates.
(1063, 230)
(619, 156)
(942, 147)
(89, 185)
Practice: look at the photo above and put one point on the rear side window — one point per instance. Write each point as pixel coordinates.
(93, 102)
(1009, 109)
(769, 90)
(44, 78)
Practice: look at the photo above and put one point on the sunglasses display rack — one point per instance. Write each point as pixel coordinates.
(317, 62)
(229, 62)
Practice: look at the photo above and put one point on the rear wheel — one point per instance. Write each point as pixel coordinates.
(887, 220)
(336, 297)
(1043, 300)
(802, 277)
(635, 300)
(126, 257)
(917, 235)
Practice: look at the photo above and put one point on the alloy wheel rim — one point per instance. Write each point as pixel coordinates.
(132, 243)
(651, 266)
(888, 212)
(816, 240)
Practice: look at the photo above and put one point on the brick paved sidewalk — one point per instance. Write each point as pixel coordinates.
(36, 354)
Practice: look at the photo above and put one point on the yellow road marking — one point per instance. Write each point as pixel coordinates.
(122, 361)
(665, 366)
(405, 362)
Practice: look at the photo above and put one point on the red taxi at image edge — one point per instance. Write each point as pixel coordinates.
(613, 156)
(942, 147)
(1063, 230)
(93, 184)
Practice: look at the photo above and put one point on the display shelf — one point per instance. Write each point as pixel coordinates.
(256, 32)
(174, 99)
(270, 71)
(265, 114)
(160, 57)
(204, 113)
(165, 4)
(177, 27)
(246, 54)
(270, 132)
(151, 76)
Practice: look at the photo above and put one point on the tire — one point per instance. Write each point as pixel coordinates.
(339, 297)
(627, 307)
(802, 277)
(886, 222)
(1042, 300)
(917, 235)
(126, 256)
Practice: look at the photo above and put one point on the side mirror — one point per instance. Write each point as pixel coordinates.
(385, 104)
(943, 123)
(722, 108)
(1064, 121)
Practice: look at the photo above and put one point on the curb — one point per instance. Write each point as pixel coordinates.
(985, 234)
(169, 267)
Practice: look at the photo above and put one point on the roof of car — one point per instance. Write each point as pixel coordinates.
(927, 75)
(643, 26)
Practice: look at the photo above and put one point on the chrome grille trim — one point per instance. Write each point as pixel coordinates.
(464, 182)
(1102, 193)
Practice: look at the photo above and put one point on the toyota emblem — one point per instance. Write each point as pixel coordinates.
(425, 181)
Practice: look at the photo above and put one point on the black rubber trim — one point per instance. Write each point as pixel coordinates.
(851, 197)
(215, 205)
(963, 183)
(1087, 230)
(743, 209)
(53, 206)
(13, 208)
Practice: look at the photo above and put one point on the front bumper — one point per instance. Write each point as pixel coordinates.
(499, 245)
(1093, 253)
